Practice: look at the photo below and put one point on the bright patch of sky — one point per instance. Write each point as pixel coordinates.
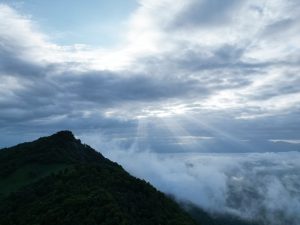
(68, 22)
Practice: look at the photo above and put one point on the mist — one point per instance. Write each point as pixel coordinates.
(263, 187)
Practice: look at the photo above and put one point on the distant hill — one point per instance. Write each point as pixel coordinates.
(58, 180)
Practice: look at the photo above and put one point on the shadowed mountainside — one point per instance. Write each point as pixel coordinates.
(59, 180)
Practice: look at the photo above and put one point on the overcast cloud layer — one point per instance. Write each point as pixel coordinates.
(229, 68)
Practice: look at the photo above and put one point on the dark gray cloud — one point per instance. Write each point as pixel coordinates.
(278, 27)
(205, 13)
(11, 64)
(111, 88)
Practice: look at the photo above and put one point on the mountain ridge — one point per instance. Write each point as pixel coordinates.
(82, 187)
(60, 177)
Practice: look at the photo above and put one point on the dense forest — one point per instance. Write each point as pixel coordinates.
(59, 180)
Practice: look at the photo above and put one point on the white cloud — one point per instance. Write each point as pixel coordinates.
(261, 186)
(19, 33)
(285, 141)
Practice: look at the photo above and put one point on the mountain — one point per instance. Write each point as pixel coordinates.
(58, 180)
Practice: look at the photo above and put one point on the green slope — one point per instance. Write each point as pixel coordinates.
(91, 194)
(28, 162)
(26, 175)
(58, 180)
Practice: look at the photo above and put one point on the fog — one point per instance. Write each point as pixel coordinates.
(259, 186)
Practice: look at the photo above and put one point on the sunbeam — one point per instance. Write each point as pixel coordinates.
(140, 140)
(219, 133)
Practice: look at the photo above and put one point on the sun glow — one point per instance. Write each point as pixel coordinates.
(163, 112)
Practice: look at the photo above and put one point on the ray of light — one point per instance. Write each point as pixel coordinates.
(140, 138)
(219, 133)
(183, 137)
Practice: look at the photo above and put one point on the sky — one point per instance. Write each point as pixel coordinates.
(96, 22)
(154, 82)
(204, 76)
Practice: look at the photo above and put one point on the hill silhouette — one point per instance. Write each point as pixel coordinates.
(58, 180)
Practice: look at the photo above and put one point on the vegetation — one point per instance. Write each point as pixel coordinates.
(27, 174)
(59, 180)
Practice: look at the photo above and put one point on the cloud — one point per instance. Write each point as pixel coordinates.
(205, 13)
(203, 60)
(286, 141)
(261, 186)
